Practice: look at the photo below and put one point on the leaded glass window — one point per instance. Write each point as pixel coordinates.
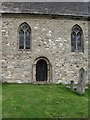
(27, 41)
(73, 41)
(24, 36)
(21, 39)
(77, 39)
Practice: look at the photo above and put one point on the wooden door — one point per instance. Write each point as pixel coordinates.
(41, 70)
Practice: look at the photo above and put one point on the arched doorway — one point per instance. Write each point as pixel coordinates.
(41, 70)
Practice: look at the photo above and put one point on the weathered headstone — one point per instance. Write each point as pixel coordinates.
(72, 85)
(81, 82)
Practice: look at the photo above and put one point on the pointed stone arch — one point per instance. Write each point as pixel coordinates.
(22, 24)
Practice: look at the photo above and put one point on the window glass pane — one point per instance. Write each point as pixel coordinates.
(27, 39)
(73, 41)
(24, 27)
(76, 29)
(21, 40)
(79, 41)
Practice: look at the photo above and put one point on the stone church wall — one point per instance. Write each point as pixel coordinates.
(50, 38)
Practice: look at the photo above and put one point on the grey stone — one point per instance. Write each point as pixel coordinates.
(72, 85)
(62, 65)
(51, 8)
(81, 82)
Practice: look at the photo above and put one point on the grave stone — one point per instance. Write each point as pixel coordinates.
(81, 82)
(72, 85)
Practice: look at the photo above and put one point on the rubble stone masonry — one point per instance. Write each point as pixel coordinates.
(50, 39)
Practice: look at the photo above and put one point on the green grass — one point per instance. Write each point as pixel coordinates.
(43, 101)
(0, 101)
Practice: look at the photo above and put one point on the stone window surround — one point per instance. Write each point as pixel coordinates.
(81, 31)
(19, 28)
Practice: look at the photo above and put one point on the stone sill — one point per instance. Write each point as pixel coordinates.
(24, 51)
(77, 53)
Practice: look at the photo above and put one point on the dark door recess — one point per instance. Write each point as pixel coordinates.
(41, 70)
